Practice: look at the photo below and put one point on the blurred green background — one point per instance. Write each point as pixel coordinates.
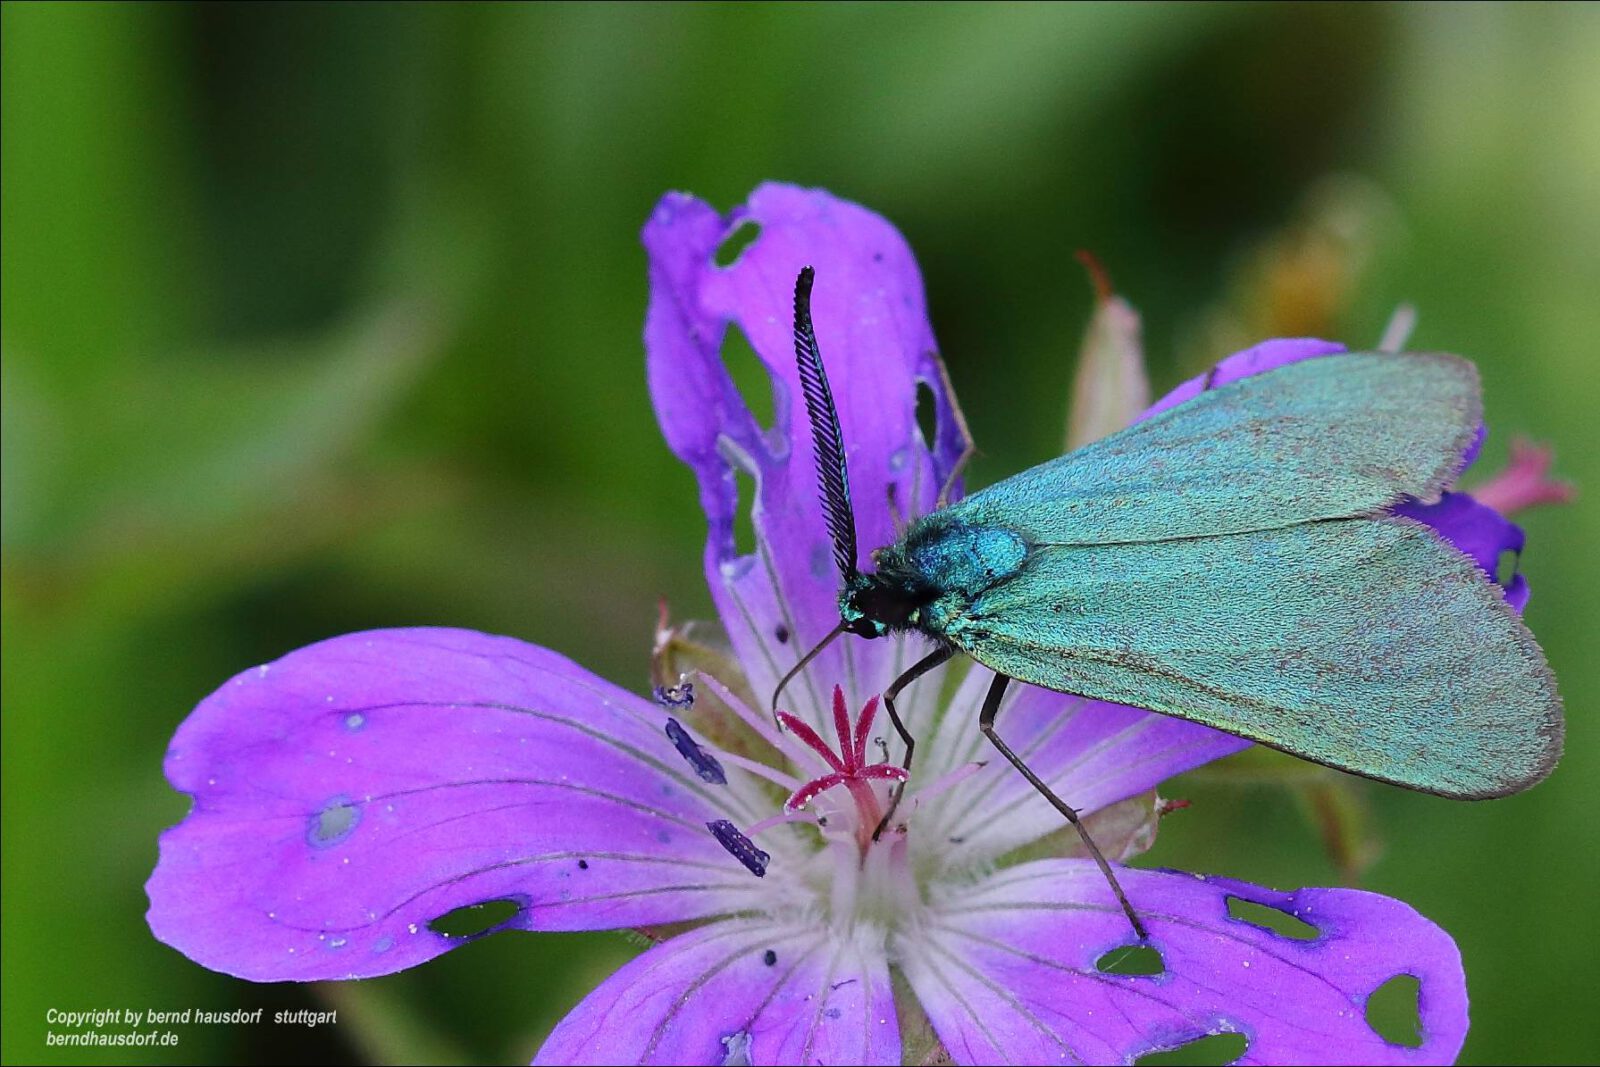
(319, 318)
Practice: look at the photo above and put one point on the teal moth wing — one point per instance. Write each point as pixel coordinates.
(1230, 561)
(1367, 645)
(1325, 438)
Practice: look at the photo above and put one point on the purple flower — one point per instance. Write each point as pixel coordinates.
(351, 793)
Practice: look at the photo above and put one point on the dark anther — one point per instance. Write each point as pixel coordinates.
(674, 696)
(703, 762)
(740, 847)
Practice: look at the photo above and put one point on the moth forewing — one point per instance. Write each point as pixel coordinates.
(1369, 645)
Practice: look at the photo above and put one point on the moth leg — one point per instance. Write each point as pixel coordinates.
(991, 705)
(1211, 379)
(967, 447)
(917, 670)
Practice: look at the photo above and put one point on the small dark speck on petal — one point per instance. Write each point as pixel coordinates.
(583, 865)
(770, 958)
(833, 1013)
(781, 633)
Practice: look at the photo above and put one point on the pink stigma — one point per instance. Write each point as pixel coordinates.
(849, 763)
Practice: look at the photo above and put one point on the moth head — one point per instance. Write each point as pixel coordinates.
(870, 606)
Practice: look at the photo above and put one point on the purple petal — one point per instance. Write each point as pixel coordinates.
(350, 793)
(1477, 530)
(739, 991)
(1517, 593)
(1090, 752)
(873, 329)
(1007, 971)
(1252, 361)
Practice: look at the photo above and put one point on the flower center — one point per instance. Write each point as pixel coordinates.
(848, 766)
(856, 880)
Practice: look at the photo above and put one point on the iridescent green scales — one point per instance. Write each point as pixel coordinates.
(1231, 561)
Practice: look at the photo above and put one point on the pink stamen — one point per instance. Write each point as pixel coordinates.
(949, 781)
(1525, 481)
(761, 724)
(777, 820)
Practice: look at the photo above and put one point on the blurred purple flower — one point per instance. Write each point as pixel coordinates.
(353, 792)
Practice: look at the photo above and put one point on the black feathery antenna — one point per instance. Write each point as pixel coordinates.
(826, 437)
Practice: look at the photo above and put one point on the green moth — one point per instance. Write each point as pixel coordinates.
(1232, 561)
